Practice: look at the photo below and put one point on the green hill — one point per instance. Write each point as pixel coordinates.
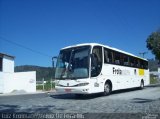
(48, 72)
(41, 72)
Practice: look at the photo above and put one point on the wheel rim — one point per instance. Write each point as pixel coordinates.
(142, 84)
(106, 88)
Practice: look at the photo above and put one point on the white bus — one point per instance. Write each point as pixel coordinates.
(93, 68)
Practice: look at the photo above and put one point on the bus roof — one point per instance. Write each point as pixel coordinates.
(106, 46)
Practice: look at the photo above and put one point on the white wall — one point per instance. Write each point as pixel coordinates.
(8, 65)
(25, 81)
(7, 72)
(1, 82)
(10, 81)
(20, 81)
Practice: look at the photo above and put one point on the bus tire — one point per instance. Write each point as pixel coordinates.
(107, 89)
(142, 84)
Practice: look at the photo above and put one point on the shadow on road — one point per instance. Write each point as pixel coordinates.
(17, 109)
(89, 96)
(9, 108)
(154, 85)
(125, 90)
(141, 100)
(75, 97)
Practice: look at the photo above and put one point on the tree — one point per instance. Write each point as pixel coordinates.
(153, 44)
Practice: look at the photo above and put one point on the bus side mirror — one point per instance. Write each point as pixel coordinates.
(53, 58)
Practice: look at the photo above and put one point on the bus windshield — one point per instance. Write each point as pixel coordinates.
(73, 63)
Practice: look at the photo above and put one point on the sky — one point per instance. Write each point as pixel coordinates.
(35, 30)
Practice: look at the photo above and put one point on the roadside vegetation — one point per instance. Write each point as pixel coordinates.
(153, 79)
(46, 87)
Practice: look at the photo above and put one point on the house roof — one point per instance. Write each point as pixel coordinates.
(3, 54)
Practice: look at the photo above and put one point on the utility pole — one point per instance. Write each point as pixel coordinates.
(51, 83)
(43, 83)
(143, 53)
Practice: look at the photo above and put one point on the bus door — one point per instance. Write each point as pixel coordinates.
(96, 67)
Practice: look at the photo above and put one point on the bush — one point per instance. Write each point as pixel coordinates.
(39, 87)
(47, 86)
(153, 79)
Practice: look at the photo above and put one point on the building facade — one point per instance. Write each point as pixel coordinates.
(11, 81)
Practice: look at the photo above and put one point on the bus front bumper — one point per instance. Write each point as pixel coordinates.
(73, 90)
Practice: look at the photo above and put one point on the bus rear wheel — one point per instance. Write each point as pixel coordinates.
(107, 89)
(142, 84)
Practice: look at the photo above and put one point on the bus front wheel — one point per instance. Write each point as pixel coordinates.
(107, 89)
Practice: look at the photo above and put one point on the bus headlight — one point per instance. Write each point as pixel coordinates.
(82, 84)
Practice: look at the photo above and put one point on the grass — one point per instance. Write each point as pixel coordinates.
(153, 79)
(47, 86)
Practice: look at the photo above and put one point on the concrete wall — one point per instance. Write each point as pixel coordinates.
(8, 65)
(10, 81)
(1, 82)
(25, 81)
(20, 81)
(7, 72)
(7, 81)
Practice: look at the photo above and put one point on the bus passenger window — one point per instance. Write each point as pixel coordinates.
(117, 58)
(96, 61)
(145, 64)
(1, 64)
(126, 60)
(137, 64)
(110, 56)
(142, 64)
(131, 61)
(106, 56)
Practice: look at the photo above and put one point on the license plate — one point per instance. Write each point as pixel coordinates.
(68, 90)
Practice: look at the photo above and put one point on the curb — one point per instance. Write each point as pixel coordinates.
(153, 85)
(24, 96)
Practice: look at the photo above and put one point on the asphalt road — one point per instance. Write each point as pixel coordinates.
(133, 101)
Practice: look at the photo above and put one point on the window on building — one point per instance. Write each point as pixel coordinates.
(1, 64)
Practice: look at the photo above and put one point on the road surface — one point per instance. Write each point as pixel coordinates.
(133, 101)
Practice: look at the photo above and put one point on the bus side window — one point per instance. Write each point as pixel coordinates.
(141, 64)
(96, 63)
(117, 58)
(126, 60)
(106, 56)
(111, 56)
(145, 64)
(137, 63)
(131, 61)
(1, 64)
